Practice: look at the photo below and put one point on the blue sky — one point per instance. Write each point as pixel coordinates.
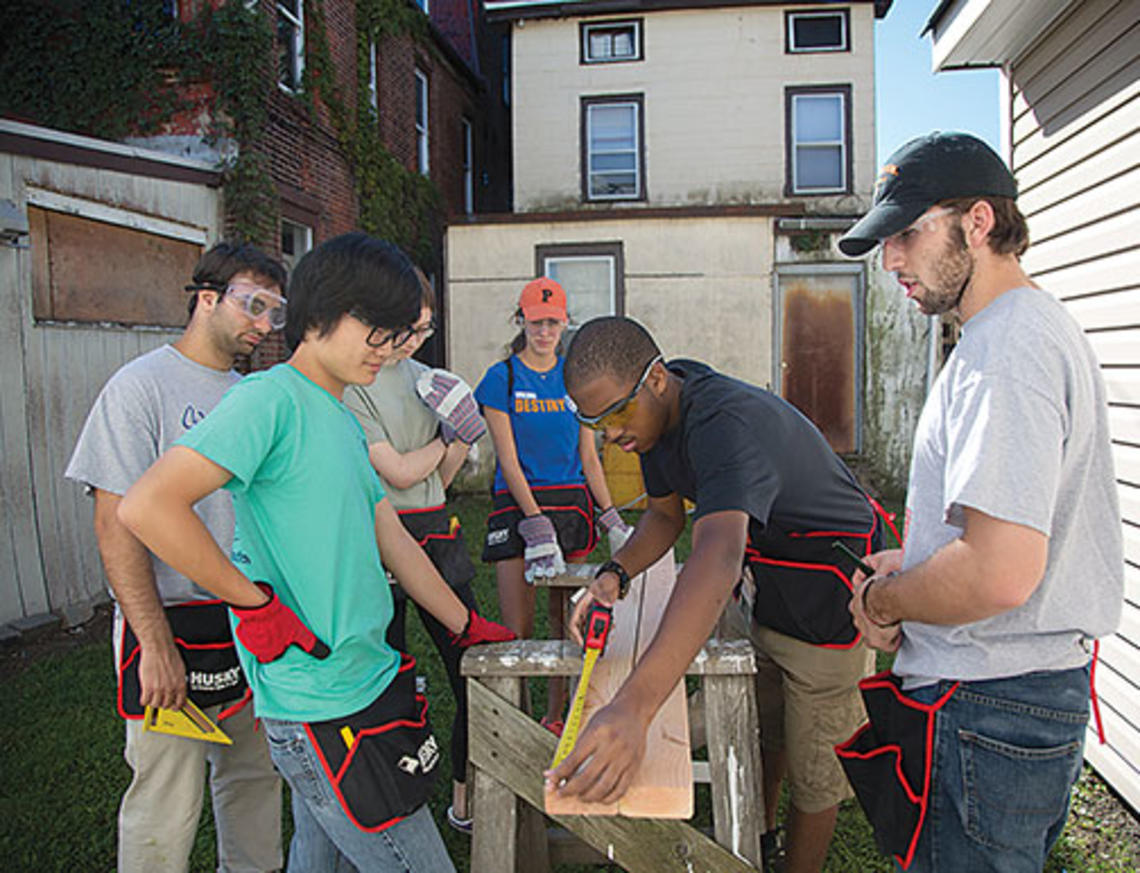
(910, 100)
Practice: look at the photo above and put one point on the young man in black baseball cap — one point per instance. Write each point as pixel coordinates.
(1013, 561)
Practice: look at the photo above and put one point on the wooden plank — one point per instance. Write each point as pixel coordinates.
(1119, 702)
(1126, 459)
(667, 740)
(1124, 424)
(494, 845)
(564, 658)
(1121, 656)
(523, 749)
(662, 785)
(733, 729)
(1129, 501)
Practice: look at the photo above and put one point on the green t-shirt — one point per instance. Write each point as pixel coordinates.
(305, 500)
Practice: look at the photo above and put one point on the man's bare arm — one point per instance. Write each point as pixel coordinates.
(995, 566)
(162, 673)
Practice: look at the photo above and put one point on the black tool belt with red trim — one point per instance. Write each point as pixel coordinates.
(381, 761)
(888, 762)
(441, 537)
(201, 630)
(801, 590)
(569, 507)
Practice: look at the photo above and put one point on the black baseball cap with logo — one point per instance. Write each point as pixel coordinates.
(925, 171)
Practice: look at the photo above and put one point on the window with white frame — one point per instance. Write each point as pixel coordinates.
(373, 89)
(817, 31)
(290, 43)
(591, 274)
(613, 152)
(468, 167)
(296, 239)
(422, 160)
(819, 139)
(609, 42)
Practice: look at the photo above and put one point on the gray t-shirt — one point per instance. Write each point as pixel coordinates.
(1016, 426)
(391, 411)
(144, 407)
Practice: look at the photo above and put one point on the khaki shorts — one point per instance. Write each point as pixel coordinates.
(808, 700)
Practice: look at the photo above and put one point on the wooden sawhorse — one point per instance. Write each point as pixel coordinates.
(508, 752)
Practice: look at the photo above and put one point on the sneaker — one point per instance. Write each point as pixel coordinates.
(554, 725)
(463, 825)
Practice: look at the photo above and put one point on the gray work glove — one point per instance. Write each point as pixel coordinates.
(543, 555)
(451, 399)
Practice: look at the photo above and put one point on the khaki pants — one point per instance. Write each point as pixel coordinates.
(158, 816)
(808, 700)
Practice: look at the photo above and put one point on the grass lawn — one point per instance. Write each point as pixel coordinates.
(62, 772)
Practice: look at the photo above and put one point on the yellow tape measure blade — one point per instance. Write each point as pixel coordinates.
(574, 721)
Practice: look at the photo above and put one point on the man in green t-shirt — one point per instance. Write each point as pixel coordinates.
(345, 726)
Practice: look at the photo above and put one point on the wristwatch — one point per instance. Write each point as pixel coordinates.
(612, 566)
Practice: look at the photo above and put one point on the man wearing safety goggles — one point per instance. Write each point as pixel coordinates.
(144, 407)
(771, 497)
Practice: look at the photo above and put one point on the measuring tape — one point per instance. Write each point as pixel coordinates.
(598, 621)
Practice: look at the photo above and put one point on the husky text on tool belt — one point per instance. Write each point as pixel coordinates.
(381, 761)
(201, 630)
(598, 622)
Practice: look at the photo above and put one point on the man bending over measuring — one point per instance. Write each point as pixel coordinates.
(770, 496)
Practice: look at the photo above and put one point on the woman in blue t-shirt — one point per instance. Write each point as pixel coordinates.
(548, 478)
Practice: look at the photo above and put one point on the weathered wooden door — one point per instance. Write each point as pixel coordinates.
(820, 345)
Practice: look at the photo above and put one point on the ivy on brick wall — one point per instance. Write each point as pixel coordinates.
(114, 68)
(396, 203)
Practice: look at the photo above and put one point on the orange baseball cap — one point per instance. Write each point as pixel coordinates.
(543, 298)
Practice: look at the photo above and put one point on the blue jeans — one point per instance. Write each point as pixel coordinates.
(325, 840)
(1007, 752)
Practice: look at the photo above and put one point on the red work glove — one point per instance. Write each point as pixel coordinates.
(268, 630)
(479, 630)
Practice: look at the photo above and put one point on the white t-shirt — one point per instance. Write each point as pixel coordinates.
(1016, 426)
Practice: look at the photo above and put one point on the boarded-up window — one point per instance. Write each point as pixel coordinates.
(87, 270)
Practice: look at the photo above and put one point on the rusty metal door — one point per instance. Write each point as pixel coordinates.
(819, 321)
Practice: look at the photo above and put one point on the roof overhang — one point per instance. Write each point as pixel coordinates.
(512, 10)
(987, 33)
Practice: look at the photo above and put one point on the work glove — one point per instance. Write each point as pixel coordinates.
(447, 433)
(451, 399)
(542, 554)
(480, 630)
(615, 529)
(268, 630)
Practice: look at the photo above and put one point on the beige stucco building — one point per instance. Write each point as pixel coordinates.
(691, 165)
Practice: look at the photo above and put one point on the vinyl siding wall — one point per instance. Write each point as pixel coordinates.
(1074, 103)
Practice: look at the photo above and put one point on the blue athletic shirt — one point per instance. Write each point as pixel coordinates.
(305, 498)
(542, 421)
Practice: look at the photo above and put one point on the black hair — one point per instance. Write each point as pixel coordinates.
(608, 346)
(225, 260)
(352, 274)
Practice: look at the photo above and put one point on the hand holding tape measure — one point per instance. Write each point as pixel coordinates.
(598, 622)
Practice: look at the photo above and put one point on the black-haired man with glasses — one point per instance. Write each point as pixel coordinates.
(771, 497)
(235, 301)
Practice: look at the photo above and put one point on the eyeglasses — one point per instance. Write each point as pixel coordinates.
(254, 300)
(400, 337)
(923, 224)
(617, 414)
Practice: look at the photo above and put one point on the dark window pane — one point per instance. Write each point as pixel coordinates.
(818, 31)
